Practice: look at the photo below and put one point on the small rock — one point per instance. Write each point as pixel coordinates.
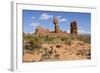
(58, 46)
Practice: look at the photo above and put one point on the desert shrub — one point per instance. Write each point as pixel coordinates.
(47, 53)
(32, 43)
(67, 40)
(46, 38)
(73, 37)
(35, 44)
(51, 39)
(63, 38)
(27, 46)
(84, 38)
(36, 38)
(57, 41)
(27, 37)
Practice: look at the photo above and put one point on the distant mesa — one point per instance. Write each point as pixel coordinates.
(57, 31)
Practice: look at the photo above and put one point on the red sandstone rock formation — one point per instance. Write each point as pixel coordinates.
(57, 32)
(55, 21)
(73, 28)
(40, 30)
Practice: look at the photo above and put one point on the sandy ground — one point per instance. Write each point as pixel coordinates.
(59, 52)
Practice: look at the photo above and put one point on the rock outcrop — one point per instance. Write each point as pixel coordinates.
(57, 32)
(55, 21)
(73, 28)
(40, 30)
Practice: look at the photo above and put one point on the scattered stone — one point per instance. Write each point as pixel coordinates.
(56, 56)
(51, 46)
(58, 46)
(84, 52)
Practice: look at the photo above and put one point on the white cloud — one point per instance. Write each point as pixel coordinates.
(62, 20)
(59, 17)
(45, 16)
(34, 24)
(83, 32)
(33, 17)
(80, 31)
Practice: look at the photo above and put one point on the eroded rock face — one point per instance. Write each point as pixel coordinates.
(41, 30)
(73, 28)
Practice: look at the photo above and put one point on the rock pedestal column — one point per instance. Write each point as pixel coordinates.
(55, 21)
(73, 28)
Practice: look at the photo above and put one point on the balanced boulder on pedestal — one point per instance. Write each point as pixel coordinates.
(55, 21)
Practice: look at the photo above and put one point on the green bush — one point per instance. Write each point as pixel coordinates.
(27, 37)
(67, 40)
(63, 38)
(84, 38)
(32, 42)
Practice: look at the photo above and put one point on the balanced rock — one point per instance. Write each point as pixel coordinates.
(55, 21)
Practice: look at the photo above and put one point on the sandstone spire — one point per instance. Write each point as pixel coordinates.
(73, 28)
(55, 21)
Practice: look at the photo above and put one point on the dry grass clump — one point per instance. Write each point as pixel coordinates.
(85, 38)
(84, 52)
(32, 43)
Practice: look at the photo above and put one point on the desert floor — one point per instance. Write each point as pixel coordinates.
(59, 52)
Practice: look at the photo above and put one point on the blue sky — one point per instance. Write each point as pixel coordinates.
(33, 18)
